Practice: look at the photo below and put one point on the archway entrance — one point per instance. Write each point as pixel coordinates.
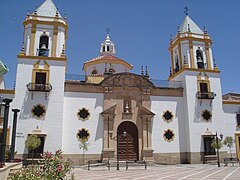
(128, 141)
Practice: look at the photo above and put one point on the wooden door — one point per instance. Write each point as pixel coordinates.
(128, 141)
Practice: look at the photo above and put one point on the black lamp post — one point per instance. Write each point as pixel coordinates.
(118, 135)
(4, 132)
(15, 111)
(217, 139)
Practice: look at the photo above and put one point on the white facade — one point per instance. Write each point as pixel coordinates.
(40, 82)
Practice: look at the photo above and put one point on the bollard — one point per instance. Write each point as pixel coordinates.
(88, 165)
(108, 165)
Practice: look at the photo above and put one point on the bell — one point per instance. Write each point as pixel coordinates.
(43, 47)
(199, 59)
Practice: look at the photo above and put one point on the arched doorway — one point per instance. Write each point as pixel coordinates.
(128, 141)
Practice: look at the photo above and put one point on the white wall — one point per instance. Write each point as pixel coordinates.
(51, 123)
(72, 103)
(159, 104)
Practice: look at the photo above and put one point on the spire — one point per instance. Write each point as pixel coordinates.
(48, 9)
(107, 47)
(189, 26)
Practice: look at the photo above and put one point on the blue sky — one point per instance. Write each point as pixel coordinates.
(140, 30)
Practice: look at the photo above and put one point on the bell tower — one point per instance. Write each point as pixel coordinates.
(192, 64)
(40, 77)
(107, 47)
(191, 49)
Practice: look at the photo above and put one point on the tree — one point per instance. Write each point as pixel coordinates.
(32, 142)
(228, 141)
(217, 144)
(83, 144)
(53, 167)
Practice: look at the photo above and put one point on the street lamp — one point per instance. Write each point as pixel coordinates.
(118, 135)
(217, 139)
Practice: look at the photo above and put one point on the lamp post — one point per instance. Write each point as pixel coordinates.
(217, 139)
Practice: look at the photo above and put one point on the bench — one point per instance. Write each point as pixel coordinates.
(210, 159)
(231, 160)
(94, 163)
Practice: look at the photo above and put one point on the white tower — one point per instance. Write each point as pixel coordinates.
(107, 47)
(40, 78)
(192, 63)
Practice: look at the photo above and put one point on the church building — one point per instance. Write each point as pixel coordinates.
(119, 113)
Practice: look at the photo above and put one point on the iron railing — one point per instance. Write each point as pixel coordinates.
(39, 87)
(205, 95)
(156, 82)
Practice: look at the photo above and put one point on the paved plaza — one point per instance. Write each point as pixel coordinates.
(177, 172)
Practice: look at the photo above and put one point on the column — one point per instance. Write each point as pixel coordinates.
(15, 111)
(4, 132)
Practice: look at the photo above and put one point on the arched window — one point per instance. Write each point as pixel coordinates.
(94, 72)
(199, 56)
(108, 48)
(176, 64)
(43, 41)
(43, 45)
(103, 49)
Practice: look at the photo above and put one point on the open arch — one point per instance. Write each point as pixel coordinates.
(128, 141)
(199, 56)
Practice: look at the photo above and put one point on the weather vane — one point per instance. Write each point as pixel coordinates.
(186, 10)
(108, 30)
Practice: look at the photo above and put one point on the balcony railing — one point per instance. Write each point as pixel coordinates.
(39, 87)
(205, 95)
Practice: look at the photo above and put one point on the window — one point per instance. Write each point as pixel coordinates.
(176, 64)
(43, 46)
(167, 116)
(83, 114)
(40, 80)
(83, 134)
(38, 111)
(94, 72)
(206, 115)
(238, 119)
(203, 87)
(168, 135)
(199, 56)
(108, 48)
